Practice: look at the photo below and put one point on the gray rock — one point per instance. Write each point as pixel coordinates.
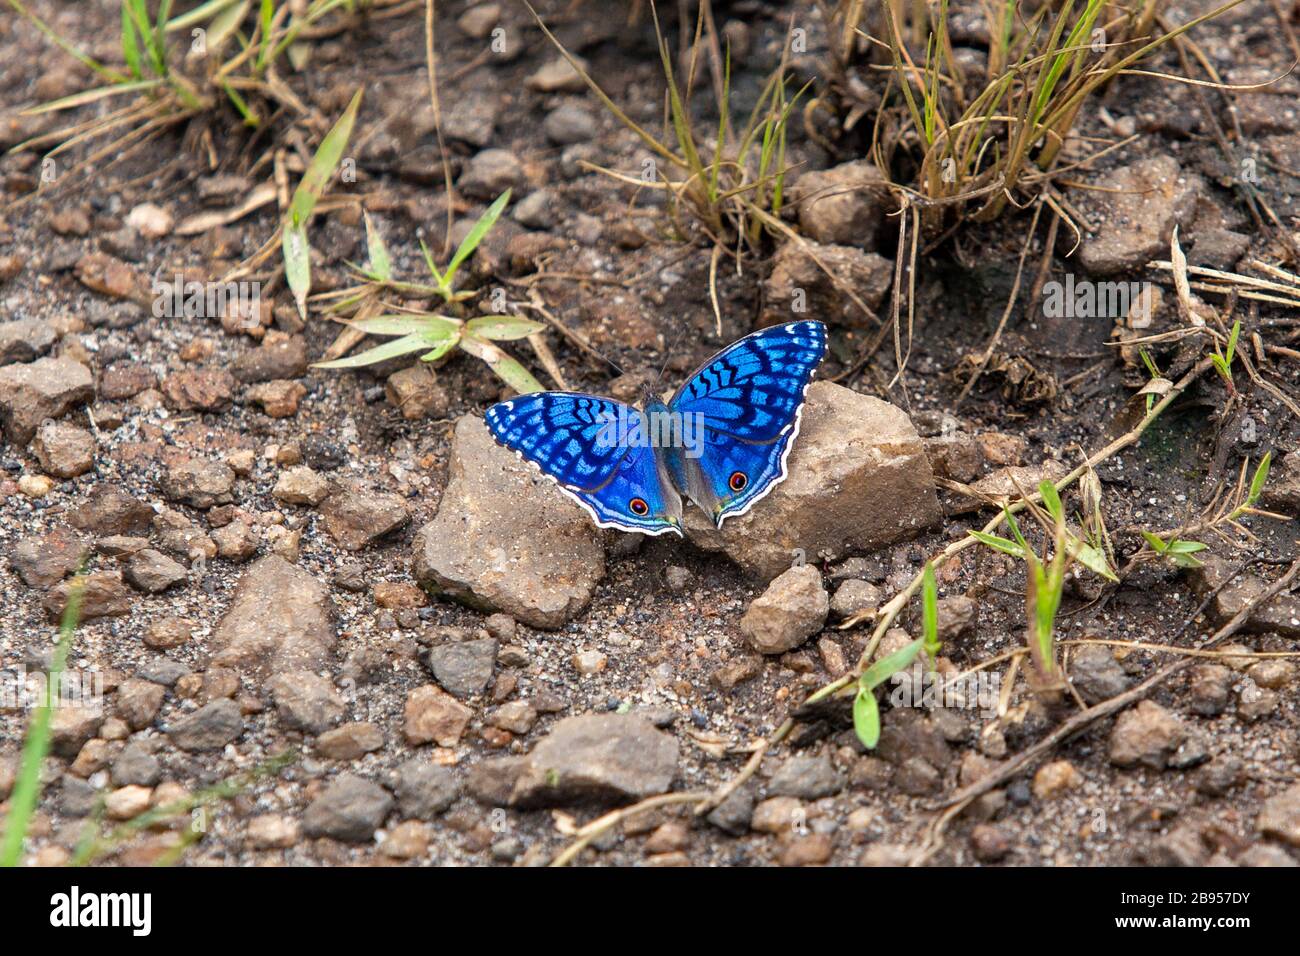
(853, 597)
(1211, 689)
(537, 210)
(472, 118)
(34, 391)
(1218, 249)
(280, 619)
(1146, 734)
(569, 123)
(807, 776)
(491, 782)
(349, 809)
(791, 610)
(733, 814)
(77, 798)
(1136, 210)
(798, 286)
(956, 615)
(463, 668)
(1280, 614)
(199, 483)
(424, 789)
(490, 173)
(844, 204)
(601, 757)
(506, 539)
(306, 701)
(210, 727)
(858, 479)
(153, 572)
(24, 340)
(1220, 775)
(136, 766)
(1096, 674)
(357, 518)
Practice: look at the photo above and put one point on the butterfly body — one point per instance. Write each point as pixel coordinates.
(722, 441)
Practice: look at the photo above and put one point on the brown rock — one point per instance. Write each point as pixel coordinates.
(200, 389)
(506, 539)
(1137, 208)
(433, 715)
(45, 389)
(64, 450)
(417, 393)
(280, 619)
(1146, 734)
(46, 559)
(844, 204)
(279, 398)
(105, 595)
(858, 479)
(109, 510)
(792, 609)
(356, 518)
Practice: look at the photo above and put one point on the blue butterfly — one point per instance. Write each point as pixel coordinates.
(722, 440)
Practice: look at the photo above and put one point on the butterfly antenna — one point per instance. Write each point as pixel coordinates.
(663, 367)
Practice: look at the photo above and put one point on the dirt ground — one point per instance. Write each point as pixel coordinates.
(665, 621)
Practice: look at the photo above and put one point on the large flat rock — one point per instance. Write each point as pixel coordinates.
(506, 539)
(858, 479)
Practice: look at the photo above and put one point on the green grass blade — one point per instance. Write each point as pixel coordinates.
(414, 342)
(866, 719)
(27, 788)
(158, 45)
(201, 14)
(999, 544)
(130, 48)
(297, 251)
(930, 610)
(502, 328)
(503, 365)
(381, 264)
(434, 325)
(1051, 499)
(474, 237)
(887, 667)
(1259, 479)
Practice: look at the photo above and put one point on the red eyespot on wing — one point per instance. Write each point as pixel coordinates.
(737, 481)
(638, 507)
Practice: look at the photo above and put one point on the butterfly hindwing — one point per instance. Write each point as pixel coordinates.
(620, 482)
(750, 396)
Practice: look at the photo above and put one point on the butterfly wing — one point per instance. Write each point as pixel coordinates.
(576, 440)
(749, 397)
